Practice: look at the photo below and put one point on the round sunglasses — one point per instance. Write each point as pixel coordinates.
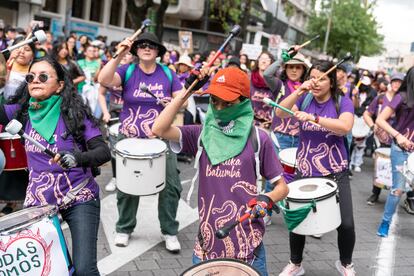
(146, 44)
(43, 77)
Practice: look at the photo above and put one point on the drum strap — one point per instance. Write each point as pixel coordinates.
(71, 194)
(254, 138)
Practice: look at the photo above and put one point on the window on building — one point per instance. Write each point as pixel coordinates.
(116, 8)
(51, 6)
(77, 8)
(128, 23)
(96, 10)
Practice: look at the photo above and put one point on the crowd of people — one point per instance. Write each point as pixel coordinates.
(64, 90)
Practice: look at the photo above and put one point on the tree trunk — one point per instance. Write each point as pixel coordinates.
(138, 14)
(160, 18)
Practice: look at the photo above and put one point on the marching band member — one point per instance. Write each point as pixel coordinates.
(54, 114)
(403, 143)
(322, 152)
(137, 116)
(227, 178)
(374, 109)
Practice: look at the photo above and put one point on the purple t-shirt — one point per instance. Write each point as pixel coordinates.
(288, 126)
(223, 194)
(262, 112)
(140, 109)
(404, 115)
(375, 108)
(320, 151)
(182, 77)
(49, 183)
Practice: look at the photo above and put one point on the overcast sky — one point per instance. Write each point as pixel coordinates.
(397, 20)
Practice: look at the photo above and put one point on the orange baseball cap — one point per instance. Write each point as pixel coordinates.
(229, 84)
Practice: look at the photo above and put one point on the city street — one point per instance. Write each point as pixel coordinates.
(146, 254)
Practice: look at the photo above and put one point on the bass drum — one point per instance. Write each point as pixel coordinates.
(225, 267)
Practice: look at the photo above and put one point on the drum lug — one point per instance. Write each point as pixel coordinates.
(151, 162)
(337, 197)
(124, 160)
(287, 205)
(314, 208)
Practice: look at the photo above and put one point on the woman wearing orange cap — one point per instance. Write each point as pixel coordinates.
(227, 178)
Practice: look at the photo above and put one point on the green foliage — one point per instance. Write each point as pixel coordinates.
(227, 12)
(353, 29)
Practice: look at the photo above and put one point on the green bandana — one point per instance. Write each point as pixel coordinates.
(44, 116)
(226, 131)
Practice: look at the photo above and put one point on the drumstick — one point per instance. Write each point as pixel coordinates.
(15, 127)
(234, 32)
(272, 103)
(346, 58)
(304, 44)
(225, 230)
(143, 87)
(144, 25)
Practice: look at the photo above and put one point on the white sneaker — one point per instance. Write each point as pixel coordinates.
(293, 270)
(111, 186)
(122, 239)
(267, 220)
(172, 244)
(357, 169)
(345, 271)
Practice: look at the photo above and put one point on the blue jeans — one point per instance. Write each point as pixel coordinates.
(398, 157)
(83, 221)
(283, 142)
(259, 261)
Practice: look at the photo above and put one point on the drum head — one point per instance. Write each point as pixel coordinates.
(384, 151)
(410, 162)
(25, 216)
(304, 190)
(288, 156)
(114, 129)
(360, 128)
(223, 267)
(140, 147)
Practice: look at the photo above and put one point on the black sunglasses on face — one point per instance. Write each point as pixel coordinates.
(43, 77)
(145, 45)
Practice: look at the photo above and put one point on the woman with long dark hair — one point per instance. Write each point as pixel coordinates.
(403, 144)
(322, 152)
(60, 52)
(53, 114)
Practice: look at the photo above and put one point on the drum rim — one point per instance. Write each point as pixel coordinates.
(218, 260)
(142, 156)
(316, 199)
(6, 230)
(287, 162)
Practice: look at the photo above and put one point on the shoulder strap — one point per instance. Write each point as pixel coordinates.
(129, 72)
(168, 73)
(306, 102)
(255, 140)
(196, 166)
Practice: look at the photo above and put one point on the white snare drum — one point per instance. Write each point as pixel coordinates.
(382, 168)
(287, 158)
(32, 243)
(408, 170)
(326, 216)
(140, 166)
(113, 132)
(225, 267)
(360, 129)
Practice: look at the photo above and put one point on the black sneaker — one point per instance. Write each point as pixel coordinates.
(372, 199)
(409, 206)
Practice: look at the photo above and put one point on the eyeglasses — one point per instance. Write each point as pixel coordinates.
(147, 45)
(43, 77)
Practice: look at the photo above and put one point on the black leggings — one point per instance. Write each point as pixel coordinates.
(346, 231)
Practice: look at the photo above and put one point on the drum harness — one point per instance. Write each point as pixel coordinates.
(255, 140)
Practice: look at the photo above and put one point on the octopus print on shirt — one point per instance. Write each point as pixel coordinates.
(320, 151)
(223, 194)
(49, 183)
(140, 109)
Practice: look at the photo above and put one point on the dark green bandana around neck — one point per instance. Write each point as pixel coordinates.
(44, 116)
(225, 132)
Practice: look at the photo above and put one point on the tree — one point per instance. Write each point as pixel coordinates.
(353, 29)
(137, 13)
